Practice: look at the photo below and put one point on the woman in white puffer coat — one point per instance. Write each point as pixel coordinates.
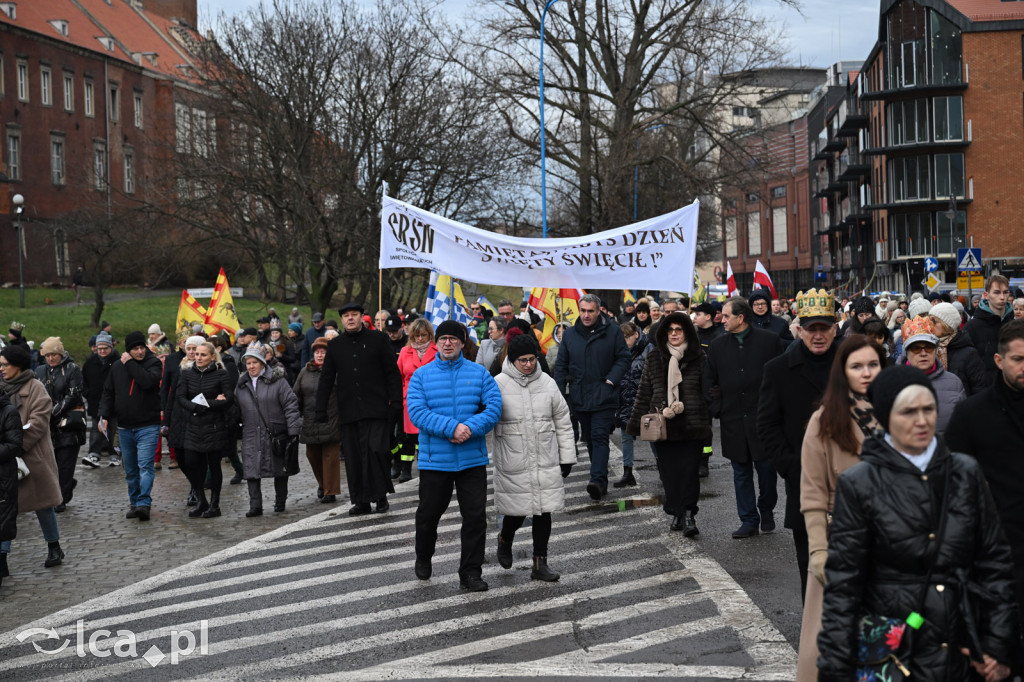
(533, 452)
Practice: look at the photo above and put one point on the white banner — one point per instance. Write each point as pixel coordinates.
(654, 254)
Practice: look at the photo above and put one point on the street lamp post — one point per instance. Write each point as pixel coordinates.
(19, 202)
(543, 165)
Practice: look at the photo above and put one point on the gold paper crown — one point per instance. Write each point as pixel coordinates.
(17, 326)
(815, 303)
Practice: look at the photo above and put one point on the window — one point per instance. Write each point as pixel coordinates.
(22, 80)
(754, 233)
(69, 92)
(909, 178)
(731, 245)
(129, 173)
(779, 192)
(946, 49)
(60, 242)
(195, 131)
(908, 122)
(99, 166)
(182, 128)
(57, 160)
(13, 155)
(138, 109)
(910, 234)
(46, 85)
(949, 176)
(780, 241)
(115, 104)
(952, 232)
(87, 95)
(949, 118)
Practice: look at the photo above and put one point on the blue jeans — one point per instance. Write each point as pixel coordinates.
(595, 428)
(138, 449)
(747, 505)
(47, 522)
(627, 448)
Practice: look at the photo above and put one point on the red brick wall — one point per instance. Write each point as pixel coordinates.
(994, 104)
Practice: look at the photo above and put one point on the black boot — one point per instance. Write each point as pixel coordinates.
(201, 505)
(396, 463)
(541, 571)
(406, 473)
(54, 556)
(627, 478)
(702, 468)
(192, 499)
(4, 571)
(504, 552)
(690, 525)
(214, 510)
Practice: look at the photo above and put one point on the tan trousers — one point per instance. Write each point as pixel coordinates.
(325, 460)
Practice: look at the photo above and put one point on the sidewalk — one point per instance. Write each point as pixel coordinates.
(105, 551)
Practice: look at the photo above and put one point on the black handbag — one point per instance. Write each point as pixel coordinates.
(284, 449)
(884, 643)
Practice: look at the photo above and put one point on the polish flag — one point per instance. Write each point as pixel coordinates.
(730, 280)
(762, 278)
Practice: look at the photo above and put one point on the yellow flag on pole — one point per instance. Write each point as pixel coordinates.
(557, 305)
(189, 312)
(221, 313)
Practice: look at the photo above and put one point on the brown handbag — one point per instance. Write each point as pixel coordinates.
(653, 427)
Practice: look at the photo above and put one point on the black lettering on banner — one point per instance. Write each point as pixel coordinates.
(413, 233)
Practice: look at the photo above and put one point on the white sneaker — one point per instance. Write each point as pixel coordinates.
(115, 461)
(91, 460)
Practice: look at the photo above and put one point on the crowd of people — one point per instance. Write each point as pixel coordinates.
(896, 425)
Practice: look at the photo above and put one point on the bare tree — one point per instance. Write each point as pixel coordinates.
(307, 109)
(617, 73)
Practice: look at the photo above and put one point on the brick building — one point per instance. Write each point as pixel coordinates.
(88, 90)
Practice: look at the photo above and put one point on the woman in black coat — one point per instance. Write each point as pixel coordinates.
(672, 383)
(10, 448)
(886, 535)
(207, 427)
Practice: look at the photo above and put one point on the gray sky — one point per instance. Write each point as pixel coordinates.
(823, 33)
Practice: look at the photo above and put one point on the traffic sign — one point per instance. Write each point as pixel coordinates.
(931, 264)
(932, 282)
(968, 260)
(965, 282)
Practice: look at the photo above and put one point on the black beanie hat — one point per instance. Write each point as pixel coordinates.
(862, 304)
(451, 328)
(520, 345)
(133, 339)
(759, 295)
(642, 307)
(888, 384)
(17, 356)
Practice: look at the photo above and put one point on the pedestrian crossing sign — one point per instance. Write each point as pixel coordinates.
(968, 260)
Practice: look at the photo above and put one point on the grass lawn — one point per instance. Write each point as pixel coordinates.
(71, 323)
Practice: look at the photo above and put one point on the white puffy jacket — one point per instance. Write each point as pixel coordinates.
(533, 437)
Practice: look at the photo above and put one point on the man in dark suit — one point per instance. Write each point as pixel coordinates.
(732, 382)
(793, 384)
(362, 367)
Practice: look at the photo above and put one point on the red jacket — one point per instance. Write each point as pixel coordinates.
(408, 362)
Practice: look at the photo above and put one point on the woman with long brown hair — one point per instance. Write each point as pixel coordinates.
(832, 445)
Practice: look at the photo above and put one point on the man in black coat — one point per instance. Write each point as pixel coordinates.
(732, 383)
(593, 359)
(760, 304)
(132, 397)
(95, 371)
(361, 365)
(991, 314)
(990, 426)
(707, 331)
(793, 384)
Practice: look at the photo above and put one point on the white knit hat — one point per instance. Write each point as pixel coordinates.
(194, 341)
(919, 306)
(947, 313)
(154, 329)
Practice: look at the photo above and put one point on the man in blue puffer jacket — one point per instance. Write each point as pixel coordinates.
(454, 403)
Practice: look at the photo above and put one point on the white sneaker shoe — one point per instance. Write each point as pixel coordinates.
(115, 461)
(91, 460)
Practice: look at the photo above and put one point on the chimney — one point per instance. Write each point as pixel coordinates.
(184, 10)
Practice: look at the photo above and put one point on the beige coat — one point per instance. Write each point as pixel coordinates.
(40, 489)
(531, 441)
(822, 461)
